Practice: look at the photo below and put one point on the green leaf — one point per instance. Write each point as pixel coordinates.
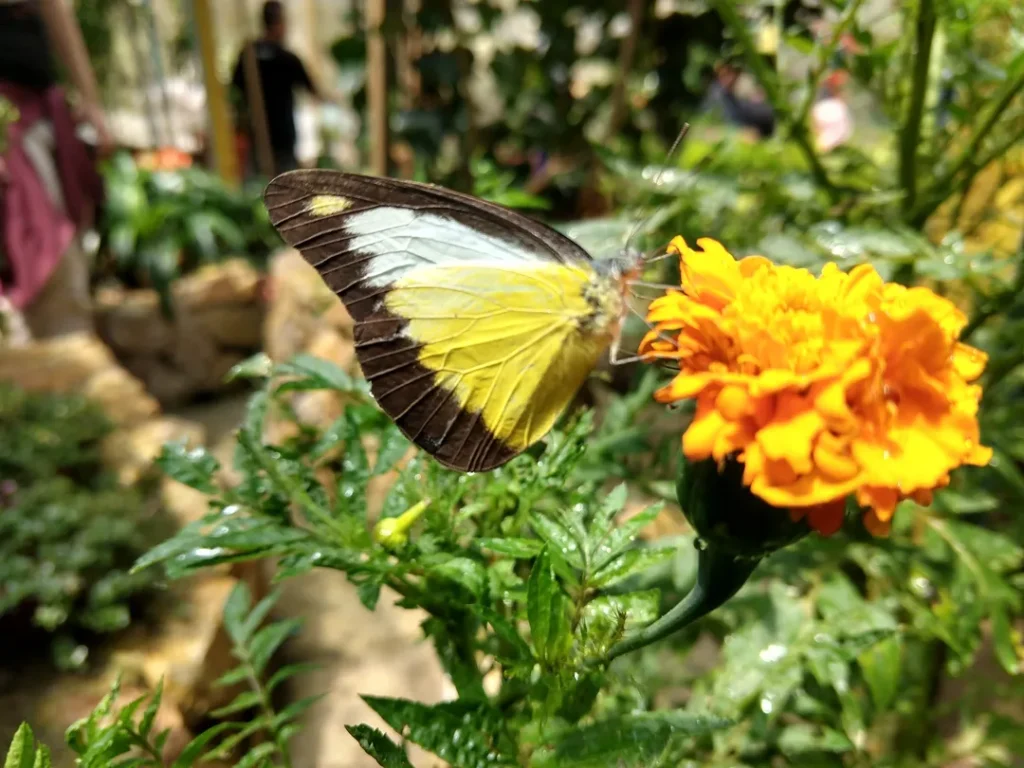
(259, 366)
(801, 739)
(192, 752)
(43, 758)
(636, 607)
(288, 672)
(149, 715)
(629, 741)
(881, 665)
(195, 468)
(243, 701)
(1002, 640)
(394, 445)
(315, 373)
(523, 549)
(22, 752)
(379, 747)
(559, 539)
(235, 611)
(268, 640)
(257, 756)
(630, 563)
(464, 734)
(622, 535)
(256, 617)
(463, 571)
(547, 611)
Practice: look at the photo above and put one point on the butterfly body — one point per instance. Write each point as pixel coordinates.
(475, 326)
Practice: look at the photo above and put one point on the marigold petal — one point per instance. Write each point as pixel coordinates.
(699, 438)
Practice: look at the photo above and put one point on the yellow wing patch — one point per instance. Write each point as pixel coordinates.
(327, 205)
(513, 345)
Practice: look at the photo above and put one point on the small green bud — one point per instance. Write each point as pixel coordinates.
(393, 532)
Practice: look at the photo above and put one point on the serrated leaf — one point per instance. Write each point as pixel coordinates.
(546, 610)
(236, 608)
(464, 571)
(523, 549)
(800, 739)
(257, 755)
(293, 710)
(881, 666)
(256, 617)
(149, 715)
(368, 592)
(243, 701)
(622, 535)
(506, 631)
(193, 467)
(464, 734)
(192, 752)
(379, 747)
(630, 741)
(43, 759)
(232, 677)
(1003, 642)
(22, 752)
(315, 373)
(630, 563)
(268, 640)
(394, 445)
(289, 671)
(559, 539)
(259, 366)
(613, 504)
(638, 608)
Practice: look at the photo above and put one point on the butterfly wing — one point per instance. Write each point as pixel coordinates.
(471, 320)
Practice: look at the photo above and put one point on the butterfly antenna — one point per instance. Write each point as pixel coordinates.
(642, 220)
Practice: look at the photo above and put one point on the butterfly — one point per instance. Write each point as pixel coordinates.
(475, 326)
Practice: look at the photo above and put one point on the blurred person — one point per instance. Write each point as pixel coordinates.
(281, 72)
(49, 184)
(831, 118)
(734, 109)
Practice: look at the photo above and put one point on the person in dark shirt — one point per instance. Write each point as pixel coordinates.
(281, 72)
(744, 113)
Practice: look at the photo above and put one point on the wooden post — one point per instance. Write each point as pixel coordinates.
(222, 134)
(377, 86)
(254, 97)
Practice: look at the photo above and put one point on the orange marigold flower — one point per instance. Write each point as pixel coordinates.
(823, 387)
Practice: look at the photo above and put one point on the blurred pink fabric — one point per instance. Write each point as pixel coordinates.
(38, 229)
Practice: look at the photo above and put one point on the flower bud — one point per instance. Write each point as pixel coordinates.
(727, 516)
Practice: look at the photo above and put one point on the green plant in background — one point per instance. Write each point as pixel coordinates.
(120, 736)
(162, 224)
(68, 532)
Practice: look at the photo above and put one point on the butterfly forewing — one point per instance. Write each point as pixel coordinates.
(466, 313)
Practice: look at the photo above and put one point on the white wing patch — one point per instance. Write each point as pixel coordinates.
(399, 240)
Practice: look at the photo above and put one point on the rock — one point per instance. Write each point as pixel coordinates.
(217, 322)
(79, 363)
(131, 322)
(131, 452)
(300, 307)
(237, 325)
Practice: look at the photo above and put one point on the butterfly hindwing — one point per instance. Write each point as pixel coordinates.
(467, 315)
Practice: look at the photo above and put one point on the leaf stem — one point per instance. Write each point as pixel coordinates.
(769, 82)
(719, 577)
(967, 159)
(910, 135)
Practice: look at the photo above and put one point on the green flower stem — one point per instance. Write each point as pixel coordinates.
(719, 576)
